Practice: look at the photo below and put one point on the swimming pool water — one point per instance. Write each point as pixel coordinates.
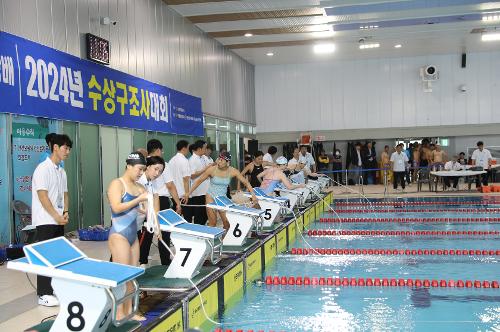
(330, 308)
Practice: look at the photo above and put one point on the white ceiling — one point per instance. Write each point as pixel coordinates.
(416, 40)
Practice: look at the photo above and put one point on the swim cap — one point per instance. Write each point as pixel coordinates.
(135, 158)
(281, 160)
(225, 155)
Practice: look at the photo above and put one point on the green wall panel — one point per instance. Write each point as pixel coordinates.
(168, 141)
(140, 138)
(90, 179)
(71, 168)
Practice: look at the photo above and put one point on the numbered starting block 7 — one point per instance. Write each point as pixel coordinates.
(296, 197)
(193, 245)
(273, 206)
(242, 220)
(88, 290)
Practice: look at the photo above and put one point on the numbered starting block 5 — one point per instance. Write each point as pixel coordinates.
(193, 245)
(242, 220)
(296, 197)
(88, 290)
(273, 206)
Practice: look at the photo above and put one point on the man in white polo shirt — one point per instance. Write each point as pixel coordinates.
(49, 205)
(398, 163)
(268, 159)
(198, 165)
(307, 158)
(180, 170)
(482, 157)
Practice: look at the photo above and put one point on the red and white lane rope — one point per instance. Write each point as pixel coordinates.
(378, 282)
(395, 252)
(371, 232)
(411, 219)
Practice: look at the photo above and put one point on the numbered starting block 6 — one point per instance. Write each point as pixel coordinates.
(88, 290)
(273, 206)
(242, 220)
(295, 196)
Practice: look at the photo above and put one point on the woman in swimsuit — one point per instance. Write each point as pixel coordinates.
(125, 195)
(220, 177)
(274, 175)
(253, 169)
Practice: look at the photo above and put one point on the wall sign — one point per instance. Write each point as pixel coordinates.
(40, 81)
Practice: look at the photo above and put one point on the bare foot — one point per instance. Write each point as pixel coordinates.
(138, 318)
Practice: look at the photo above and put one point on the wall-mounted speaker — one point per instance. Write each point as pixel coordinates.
(464, 60)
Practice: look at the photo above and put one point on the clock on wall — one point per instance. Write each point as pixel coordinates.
(98, 49)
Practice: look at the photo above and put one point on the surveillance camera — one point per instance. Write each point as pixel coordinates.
(463, 88)
(107, 21)
(430, 70)
(114, 22)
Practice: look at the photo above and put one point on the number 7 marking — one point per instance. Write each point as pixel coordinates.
(188, 252)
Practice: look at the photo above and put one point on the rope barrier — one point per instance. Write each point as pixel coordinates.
(395, 252)
(411, 220)
(415, 203)
(328, 232)
(378, 282)
(367, 210)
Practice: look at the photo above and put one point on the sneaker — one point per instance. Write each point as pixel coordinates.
(48, 301)
(144, 266)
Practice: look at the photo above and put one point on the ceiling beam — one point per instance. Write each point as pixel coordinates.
(275, 44)
(305, 12)
(267, 31)
(189, 2)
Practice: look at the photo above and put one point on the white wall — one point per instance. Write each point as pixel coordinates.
(377, 93)
(150, 41)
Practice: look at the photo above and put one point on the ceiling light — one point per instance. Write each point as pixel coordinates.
(397, 46)
(248, 34)
(366, 46)
(491, 17)
(490, 36)
(324, 48)
(270, 54)
(323, 34)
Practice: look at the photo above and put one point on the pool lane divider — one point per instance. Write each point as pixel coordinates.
(413, 220)
(371, 232)
(377, 282)
(416, 203)
(394, 252)
(368, 209)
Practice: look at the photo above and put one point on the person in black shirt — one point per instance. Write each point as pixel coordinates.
(337, 166)
(253, 169)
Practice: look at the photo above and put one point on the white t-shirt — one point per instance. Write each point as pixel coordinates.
(360, 161)
(179, 168)
(400, 160)
(267, 157)
(453, 166)
(308, 159)
(160, 182)
(49, 177)
(481, 158)
(196, 164)
(151, 188)
(293, 162)
(208, 160)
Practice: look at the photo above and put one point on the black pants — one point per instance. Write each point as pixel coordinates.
(399, 177)
(337, 176)
(483, 178)
(198, 213)
(47, 232)
(146, 238)
(448, 178)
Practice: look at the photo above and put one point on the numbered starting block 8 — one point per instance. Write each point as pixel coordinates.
(273, 206)
(296, 197)
(242, 220)
(88, 290)
(193, 245)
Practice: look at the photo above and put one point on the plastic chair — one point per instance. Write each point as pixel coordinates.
(424, 176)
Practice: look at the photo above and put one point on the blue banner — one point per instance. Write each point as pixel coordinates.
(39, 81)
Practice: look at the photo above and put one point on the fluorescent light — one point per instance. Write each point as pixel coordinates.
(270, 54)
(490, 36)
(491, 17)
(324, 48)
(366, 46)
(398, 46)
(248, 34)
(323, 34)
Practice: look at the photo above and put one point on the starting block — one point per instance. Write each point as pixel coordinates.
(89, 290)
(273, 206)
(294, 196)
(193, 245)
(242, 220)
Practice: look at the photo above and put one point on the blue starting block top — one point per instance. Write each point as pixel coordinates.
(172, 222)
(224, 203)
(59, 258)
(261, 194)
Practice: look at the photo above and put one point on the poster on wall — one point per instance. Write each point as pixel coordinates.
(40, 81)
(28, 144)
